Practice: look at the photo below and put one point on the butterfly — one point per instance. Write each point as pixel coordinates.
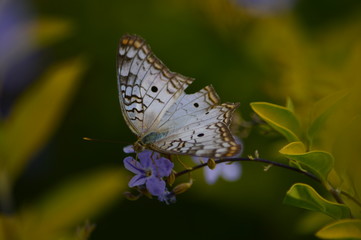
(164, 118)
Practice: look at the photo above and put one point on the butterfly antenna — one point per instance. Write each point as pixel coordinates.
(103, 140)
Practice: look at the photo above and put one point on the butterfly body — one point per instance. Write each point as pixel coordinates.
(166, 119)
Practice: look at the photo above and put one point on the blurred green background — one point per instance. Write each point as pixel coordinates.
(248, 50)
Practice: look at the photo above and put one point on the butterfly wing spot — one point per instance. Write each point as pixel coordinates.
(137, 43)
(150, 58)
(146, 49)
(125, 40)
(158, 65)
(154, 89)
(167, 74)
(200, 135)
(196, 105)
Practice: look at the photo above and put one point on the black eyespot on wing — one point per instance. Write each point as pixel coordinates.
(154, 89)
(196, 105)
(200, 135)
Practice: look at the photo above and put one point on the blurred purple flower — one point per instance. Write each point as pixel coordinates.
(230, 172)
(20, 61)
(129, 149)
(266, 6)
(167, 197)
(149, 170)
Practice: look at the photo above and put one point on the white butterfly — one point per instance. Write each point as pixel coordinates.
(162, 115)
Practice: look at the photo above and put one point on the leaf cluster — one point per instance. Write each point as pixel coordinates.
(304, 152)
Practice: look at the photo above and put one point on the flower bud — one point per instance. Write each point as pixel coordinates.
(171, 178)
(211, 163)
(256, 154)
(181, 188)
(130, 196)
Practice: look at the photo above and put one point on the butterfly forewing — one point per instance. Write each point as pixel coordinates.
(146, 86)
(161, 114)
(189, 105)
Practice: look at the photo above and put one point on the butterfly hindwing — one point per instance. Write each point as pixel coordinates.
(204, 134)
(213, 141)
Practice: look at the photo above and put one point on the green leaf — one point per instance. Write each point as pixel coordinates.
(319, 162)
(82, 232)
(72, 203)
(37, 114)
(321, 113)
(310, 222)
(289, 105)
(280, 118)
(345, 229)
(304, 196)
(9, 227)
(49, 29)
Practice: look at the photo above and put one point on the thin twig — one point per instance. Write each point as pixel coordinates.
(351, 198)
(310, 175)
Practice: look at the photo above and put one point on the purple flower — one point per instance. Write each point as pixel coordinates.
(20, 61)
(129, 149)
(167, 197)
(149, 170)
(266, 7)
(229, 172)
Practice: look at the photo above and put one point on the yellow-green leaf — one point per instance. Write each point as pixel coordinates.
(280, 118)
(289, 104)
(36, 115)
(320, 114)
(304, 196)
(319, 162)
(9, 227)
(345, 229)
(82, 232)
(72, 204)
(49, 30)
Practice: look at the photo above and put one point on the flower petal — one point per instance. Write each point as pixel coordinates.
(128, 149)
(145, 158)
(167, 197)
(232, 172)
(133, 165)
(199, 160)
(162, 167)
(155, 186)
(137, 180)
(211, 175)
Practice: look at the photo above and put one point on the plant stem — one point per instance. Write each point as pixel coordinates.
(351, 198)
(5, 194)
(336, 195)
(310, 175)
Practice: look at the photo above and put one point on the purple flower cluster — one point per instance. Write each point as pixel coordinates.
(150, 171)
